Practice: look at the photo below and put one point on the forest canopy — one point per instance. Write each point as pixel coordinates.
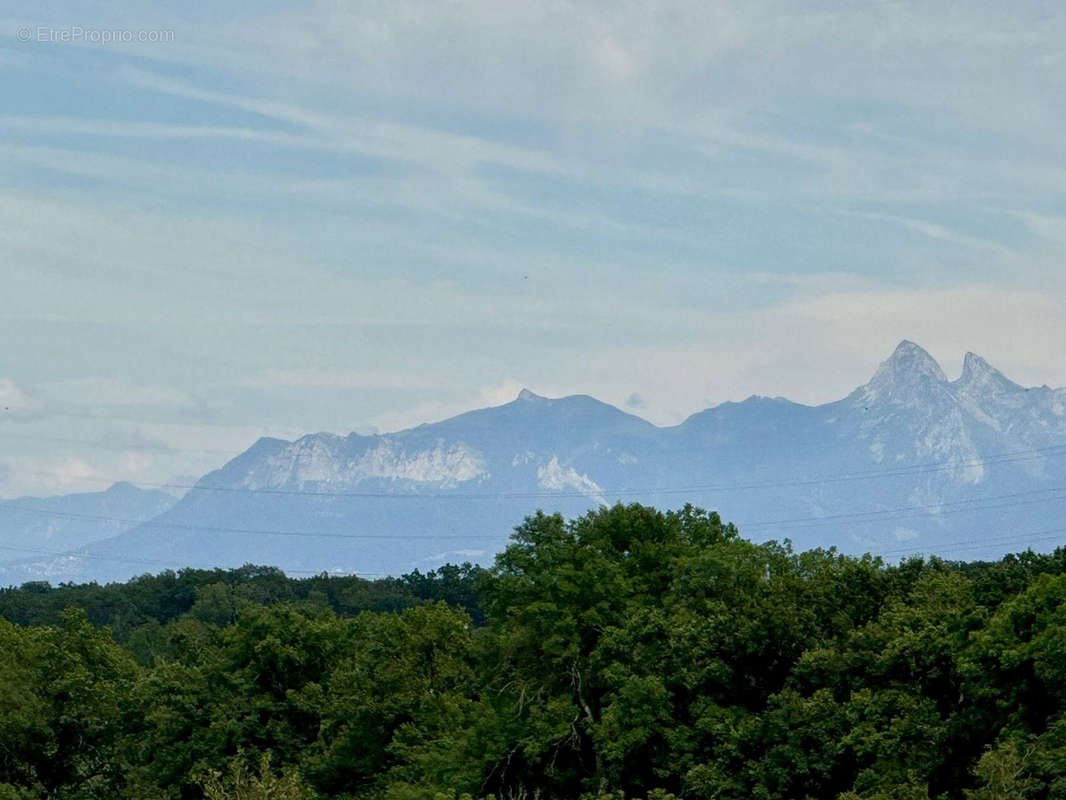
(629, 653)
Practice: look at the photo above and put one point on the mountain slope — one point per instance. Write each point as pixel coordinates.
(31, 527)
(910, 460)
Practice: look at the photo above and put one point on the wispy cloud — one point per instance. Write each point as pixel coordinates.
(15, 404)
(318, 378)
(319, 216)
(434, 149)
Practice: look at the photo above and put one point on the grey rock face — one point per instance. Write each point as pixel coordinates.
(910, 461)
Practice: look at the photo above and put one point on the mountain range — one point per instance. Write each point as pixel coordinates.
(909, 462)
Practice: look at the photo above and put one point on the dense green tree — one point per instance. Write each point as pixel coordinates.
(629, 653)
(63, 708)
(242, 783)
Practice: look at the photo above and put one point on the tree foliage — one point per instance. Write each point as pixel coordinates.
(630, 653)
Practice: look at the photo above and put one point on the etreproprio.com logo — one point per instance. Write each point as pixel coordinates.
(77, 34)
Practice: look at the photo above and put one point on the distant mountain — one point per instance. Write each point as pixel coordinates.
(910, 461)
(33, 526)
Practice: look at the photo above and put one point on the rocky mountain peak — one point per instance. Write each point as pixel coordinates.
(911, 360)
(980, 377)
(909, 370)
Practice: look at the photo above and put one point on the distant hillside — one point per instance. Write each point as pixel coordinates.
(30, 525)
(909, 461)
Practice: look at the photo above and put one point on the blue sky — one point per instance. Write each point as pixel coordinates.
(287, 218)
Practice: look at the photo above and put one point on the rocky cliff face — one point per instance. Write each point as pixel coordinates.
(909, 461)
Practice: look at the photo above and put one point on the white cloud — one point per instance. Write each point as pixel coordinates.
(618, 138)
(15, 404)
(348, 379)
(681, 61)
(818, 348)
(432, 148)
(56, 475)
(121, 392)
(940, 232)
(905, 534)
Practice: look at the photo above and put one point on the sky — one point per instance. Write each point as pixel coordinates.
(221, 221)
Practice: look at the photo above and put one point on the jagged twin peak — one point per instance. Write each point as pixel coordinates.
(909, 408)
(910, 375)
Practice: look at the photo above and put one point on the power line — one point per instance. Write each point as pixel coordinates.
(991, 502)
(976, 544)
(972, 504)
(252, 531)
(890, 472)
(907, 512)
(958, 546)
(73, 554)
(981, 503)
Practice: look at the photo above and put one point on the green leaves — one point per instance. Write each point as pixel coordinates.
(629, 653)
(63, 708)
(242, 783)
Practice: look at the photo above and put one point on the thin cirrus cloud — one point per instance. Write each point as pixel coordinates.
(14, 402)
(319, 217)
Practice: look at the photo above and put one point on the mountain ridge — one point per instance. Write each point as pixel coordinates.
(392, 502)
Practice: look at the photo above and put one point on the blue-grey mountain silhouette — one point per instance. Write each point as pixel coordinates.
(909, 462)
